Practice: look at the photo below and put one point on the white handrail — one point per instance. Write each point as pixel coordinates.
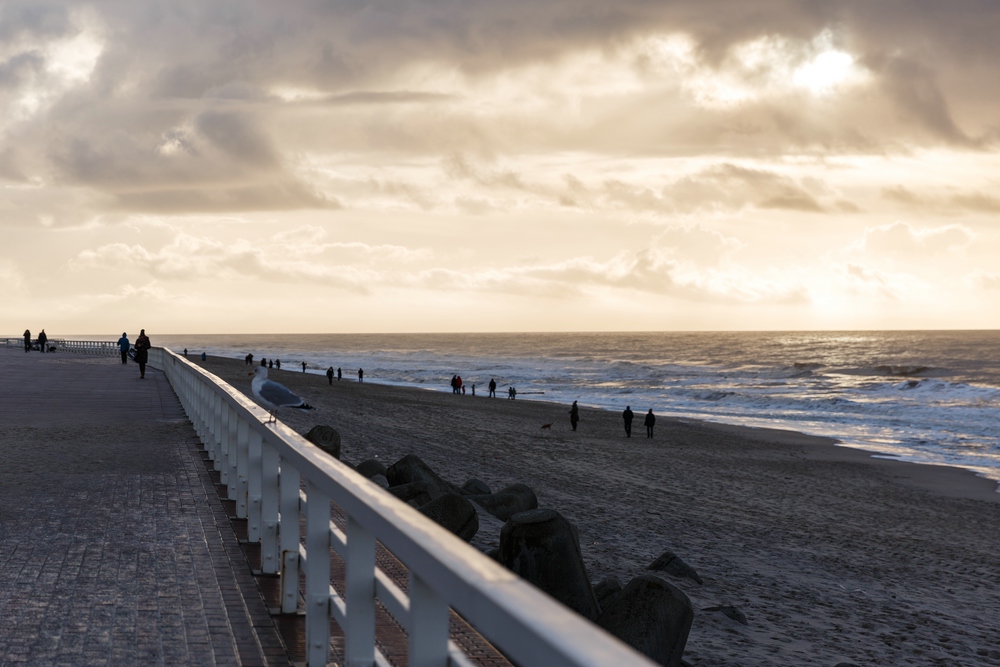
(262, 466)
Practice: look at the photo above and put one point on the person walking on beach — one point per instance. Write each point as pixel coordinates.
(627, 416)
(303, 367)
(454, 386)
(270, 363)
(338, 374)
(277, 363)
(361, 375)
(650, 421)
(574, 415)
(42, 340)
(459, 389)
(329, 375)
(27, 340)
(493, 388)
(123, 346)
(142, 346)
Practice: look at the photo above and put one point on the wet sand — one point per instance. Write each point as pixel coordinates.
(834, 556)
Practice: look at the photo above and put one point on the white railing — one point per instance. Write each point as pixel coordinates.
(97, 347)
(263, 466)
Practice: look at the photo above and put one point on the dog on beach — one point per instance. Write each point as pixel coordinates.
(546, 425)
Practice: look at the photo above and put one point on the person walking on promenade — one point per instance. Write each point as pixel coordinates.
(42, 340)
(338, 374)
(123, 346)
(27, 340)
(329, 375)
(574, 415)
(650, 421)
(627, 416)
(361, 375)
(493, 388)
(142, 346)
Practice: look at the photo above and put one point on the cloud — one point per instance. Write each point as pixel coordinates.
(902, 239)
(965, 202)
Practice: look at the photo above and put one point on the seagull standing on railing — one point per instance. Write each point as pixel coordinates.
(274, 396)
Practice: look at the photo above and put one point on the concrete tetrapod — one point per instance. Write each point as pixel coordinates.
(507, 502)
(454, 513)
(653, 617)
(410, 469)
(326, 438)
(543, 547)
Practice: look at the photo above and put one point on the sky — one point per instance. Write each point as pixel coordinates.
(209, 166)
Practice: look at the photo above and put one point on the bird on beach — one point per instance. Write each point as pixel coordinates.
(274, 396)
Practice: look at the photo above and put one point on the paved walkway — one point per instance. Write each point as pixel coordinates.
(114, 547)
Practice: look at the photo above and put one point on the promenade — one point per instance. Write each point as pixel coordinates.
(114, 546)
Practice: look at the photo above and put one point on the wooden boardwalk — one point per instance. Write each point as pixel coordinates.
(115, 548)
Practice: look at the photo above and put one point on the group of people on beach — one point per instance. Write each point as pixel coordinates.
(276, 363)
(627, 416)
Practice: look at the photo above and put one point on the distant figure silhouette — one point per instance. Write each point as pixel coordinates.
(142, 346)
(361, 375)
(263, 362)
(270, 363)
(627, 416)
(650, 421)
(277, 363)
(42, 340)
(511, 393)
(204, 356)
(473, 389)
(303, 367)
(493, 388)
(185, 352)
(574, 415)
(338, 374)
(123, 346)
(329, 375)
(27, 340)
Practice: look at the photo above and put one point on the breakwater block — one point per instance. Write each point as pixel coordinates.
(653, 617)
(411, 469)
(454, 513)
(507, 502)
(730, 612)
(670, 563)
(326, 438)
(543, 547)
(607, 590)
(371, 467)
(415, 493)
(475, 487)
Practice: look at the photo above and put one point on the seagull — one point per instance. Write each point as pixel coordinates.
(274, 396)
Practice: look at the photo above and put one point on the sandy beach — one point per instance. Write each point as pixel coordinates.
(834, 556)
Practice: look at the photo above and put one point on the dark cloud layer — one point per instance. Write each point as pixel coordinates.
(180, 114)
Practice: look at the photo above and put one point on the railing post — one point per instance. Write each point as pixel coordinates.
(289, 532)
(255, 465)
(428, 626)
(217, 435)
(359, 589)
(225, 447)
(232, 455)
(317, 577)
(242, 464)
(269, 510)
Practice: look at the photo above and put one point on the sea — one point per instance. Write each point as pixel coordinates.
(922, 396)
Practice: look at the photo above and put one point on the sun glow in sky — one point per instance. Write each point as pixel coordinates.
(245, 167)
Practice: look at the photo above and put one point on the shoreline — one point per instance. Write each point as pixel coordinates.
(833, 555)
(956, 484)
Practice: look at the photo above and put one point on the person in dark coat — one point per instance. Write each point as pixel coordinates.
(493, 388)
(339, 375)
(27, 340)
(142, 346)
(42, 340)
(574, 415)
(123, 346)
(361, 375)
(329, 375)
(627, 417)
(650, 421)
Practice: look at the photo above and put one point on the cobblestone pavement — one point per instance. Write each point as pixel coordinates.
(113, 546)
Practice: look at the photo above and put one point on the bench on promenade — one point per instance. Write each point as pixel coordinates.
(282, 484)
